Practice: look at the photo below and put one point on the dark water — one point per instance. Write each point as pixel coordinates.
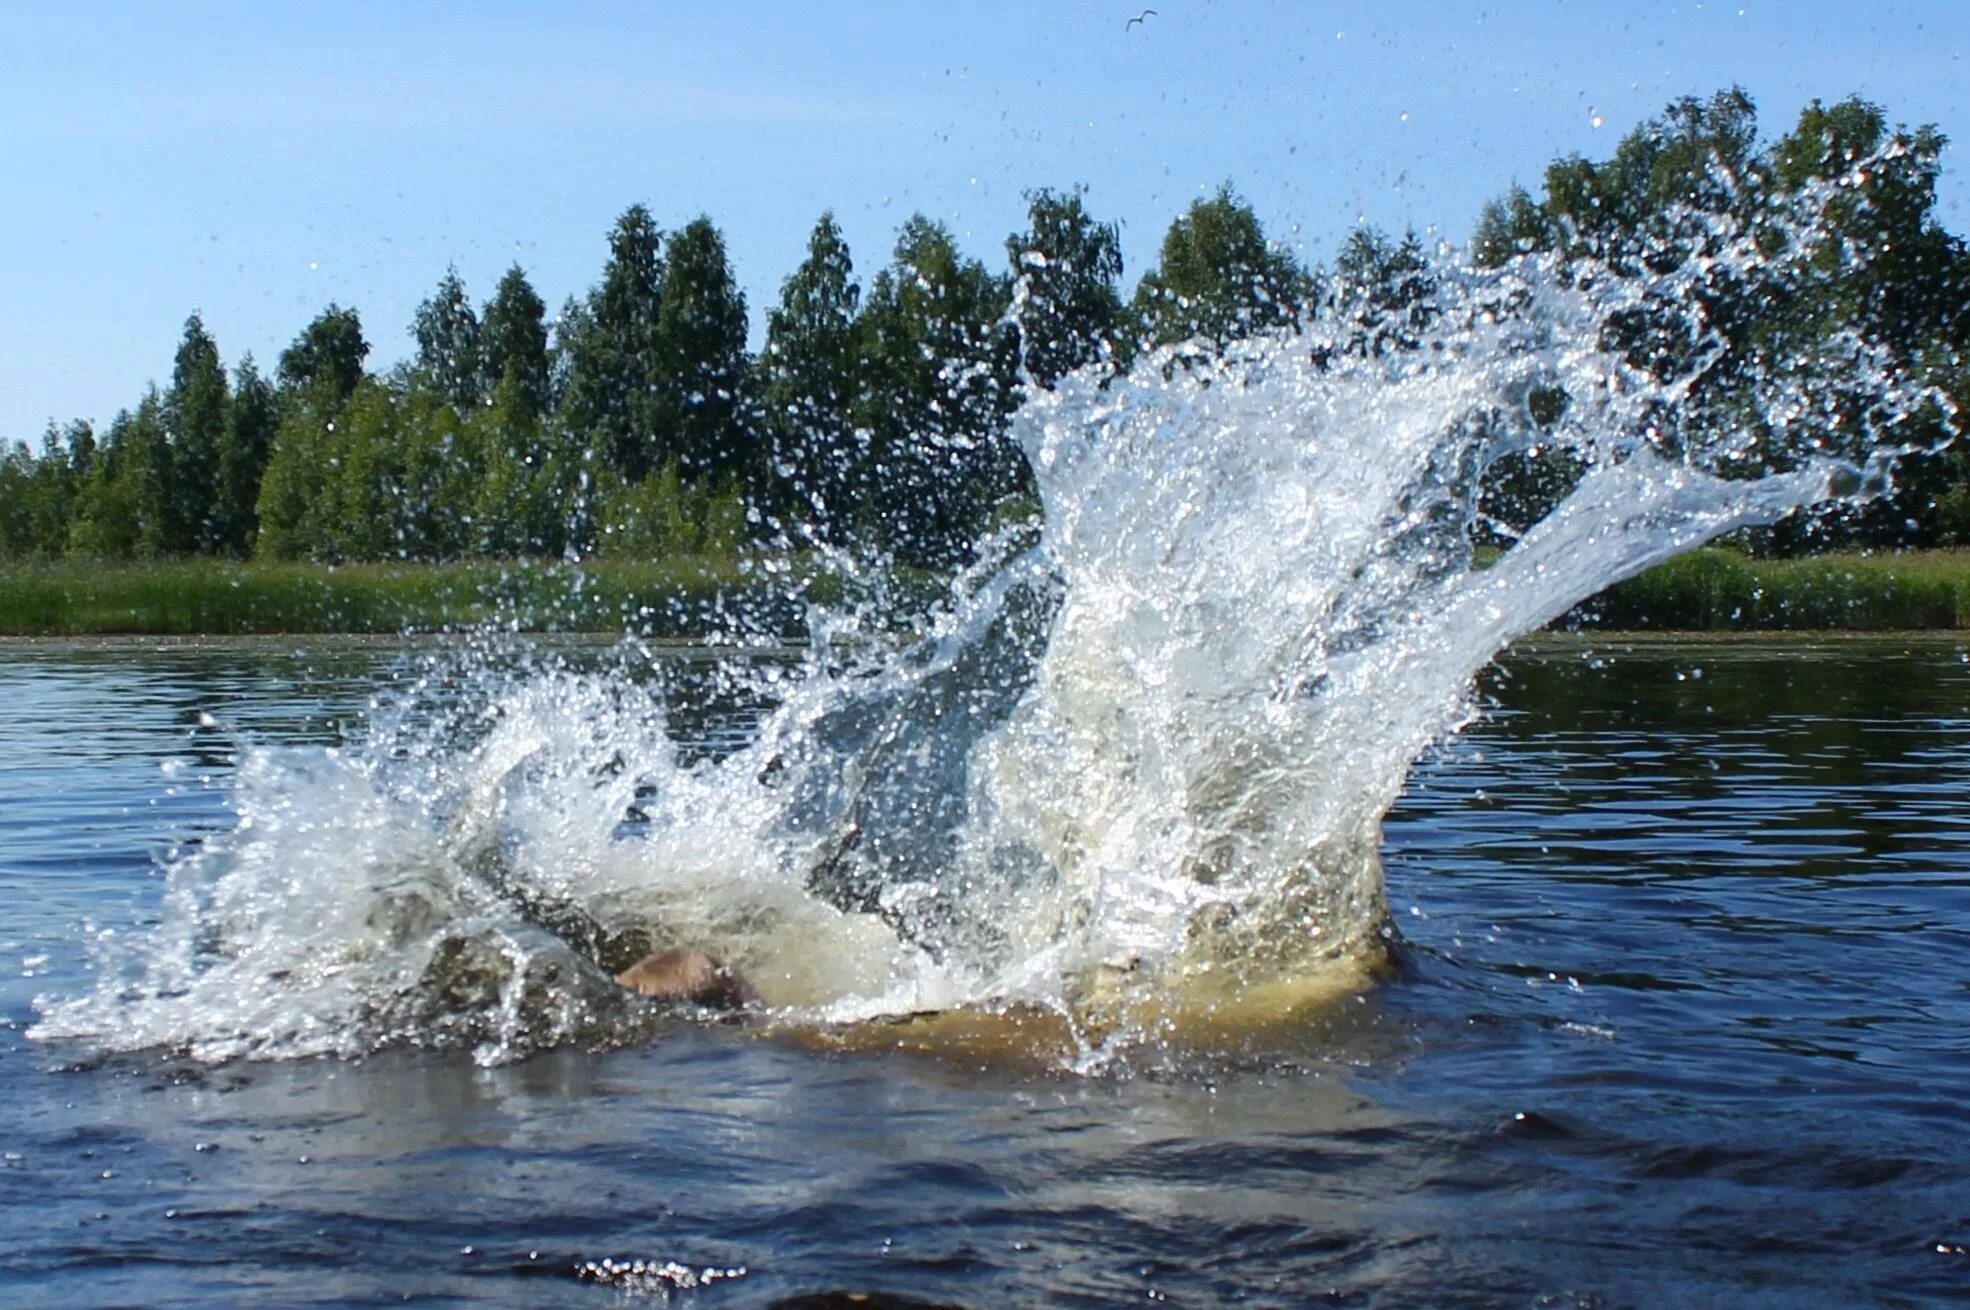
(1684, 1019)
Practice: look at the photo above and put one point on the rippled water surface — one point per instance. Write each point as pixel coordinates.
(1682, 1017)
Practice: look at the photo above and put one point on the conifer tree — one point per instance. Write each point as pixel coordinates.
(1220, 279)
(327, 357)
(938, 370)
(1385, 292)
(195, 415)
(701, 361)
(612, 368)
(251, 421)
(448, 343)
(809, 386)
(513, 341)
(1069, 268)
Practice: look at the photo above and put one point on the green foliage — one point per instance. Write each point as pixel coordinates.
(679, 596)
(809, 379)
(526, 479)
(37, 495)
(1844, 209)
(195, 415)
(1069, 270)
(513, 343)
(701, 364)
(1721, 590)
(879, 422)
(664, 516)
(612, 372)
(327, 357)
(449, 354)
(1384, 290)
(16, 507)
(1516, 225)
(251, 421)
(1219, 279)
(938, 383)
(295, 486)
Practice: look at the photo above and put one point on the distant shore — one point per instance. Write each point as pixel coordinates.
(680, 597)
(1712, 590)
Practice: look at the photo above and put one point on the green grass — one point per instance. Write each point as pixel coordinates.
(1711, 590)
(672, 598)
(1720, 590)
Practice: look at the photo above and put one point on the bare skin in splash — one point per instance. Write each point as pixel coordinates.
(690, 976)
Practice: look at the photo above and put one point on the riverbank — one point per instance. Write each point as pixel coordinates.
(677, 597)
(1709, 590)
(1721, 590)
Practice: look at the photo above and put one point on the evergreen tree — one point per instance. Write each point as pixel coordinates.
(938, 369)
(520, 507)
(37, 495)
(809, 385)
(251, 421)
(58, 475)
(294, 489)
(1384, 291)
(613, 375)
(701, 361)
(448, 344)
(103, 523)
(361, 516)
(123, 510)
(513, 341)
(327, 356)
(1069, 268)
(16, 502)
(1516, 225)
(195, 416)
(1219, 279)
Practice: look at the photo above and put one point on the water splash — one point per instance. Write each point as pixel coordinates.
(1131, 773)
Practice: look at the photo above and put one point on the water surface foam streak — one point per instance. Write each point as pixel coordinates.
(1148, 752)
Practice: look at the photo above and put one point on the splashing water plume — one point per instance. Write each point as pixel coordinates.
(1129, 774)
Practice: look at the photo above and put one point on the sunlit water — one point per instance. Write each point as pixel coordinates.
(1123, 789)
(1680, 1017)
(1119, 807)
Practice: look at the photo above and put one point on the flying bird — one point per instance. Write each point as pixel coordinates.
(1147, 13)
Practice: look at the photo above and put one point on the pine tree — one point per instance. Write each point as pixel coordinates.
(251, 421)
(702, 366)
(448, 344)
(327, 357)
(513, 342)
(1069, 269)
(938, 369)
(612, 368)
(195, 415)
(1385, 292)
(809, 386)
(1219, 279)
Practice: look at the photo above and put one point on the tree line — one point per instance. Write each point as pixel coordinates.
(637, 420)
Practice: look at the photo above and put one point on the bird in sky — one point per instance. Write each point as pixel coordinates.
(1147, 13)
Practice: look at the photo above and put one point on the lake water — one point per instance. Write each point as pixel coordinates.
(1681, 1017)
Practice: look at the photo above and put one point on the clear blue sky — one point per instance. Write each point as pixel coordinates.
(256, 161)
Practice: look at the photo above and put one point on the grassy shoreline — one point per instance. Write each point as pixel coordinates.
(1720, 590)
(1711, 590)
(674, 598)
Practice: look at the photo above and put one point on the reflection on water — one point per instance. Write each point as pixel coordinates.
(1681, 1019)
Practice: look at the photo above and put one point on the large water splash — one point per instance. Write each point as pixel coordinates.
(1139, 760)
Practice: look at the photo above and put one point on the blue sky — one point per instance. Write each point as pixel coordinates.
(255, 162)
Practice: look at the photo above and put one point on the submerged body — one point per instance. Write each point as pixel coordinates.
(685, 975)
